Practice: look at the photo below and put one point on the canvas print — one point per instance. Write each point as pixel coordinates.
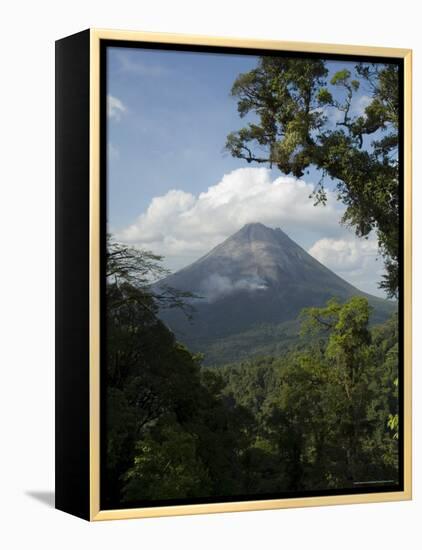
(251, 309)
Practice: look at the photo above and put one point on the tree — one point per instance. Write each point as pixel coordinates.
(170, 433)
(129, 269)
(287, 101)
(323, 411)
(148, 372)
(359, 380)
(166, 467)
(299, 420)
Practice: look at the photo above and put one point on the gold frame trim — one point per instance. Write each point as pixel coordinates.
(94, 238)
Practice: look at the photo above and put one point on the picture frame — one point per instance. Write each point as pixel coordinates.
(83, 204)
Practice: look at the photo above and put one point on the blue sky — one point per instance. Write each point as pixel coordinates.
(179, 111)
(168, 117)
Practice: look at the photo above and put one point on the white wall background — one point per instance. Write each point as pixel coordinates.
(29, 29)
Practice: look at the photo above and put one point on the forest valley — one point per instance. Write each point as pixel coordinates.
(321, 416)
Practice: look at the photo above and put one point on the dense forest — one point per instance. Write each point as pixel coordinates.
(315, 418)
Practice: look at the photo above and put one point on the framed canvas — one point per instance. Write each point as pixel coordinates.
(233, 282)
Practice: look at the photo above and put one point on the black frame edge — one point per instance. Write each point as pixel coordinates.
(72, 87)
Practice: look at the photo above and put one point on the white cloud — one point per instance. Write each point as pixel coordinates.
(359, 105)
(115, 108)
(356, 260)
(113, 152)
(217, 286)
(342, 254)
(130, 64)
(333, 114)
(357, 108)
(182, 226)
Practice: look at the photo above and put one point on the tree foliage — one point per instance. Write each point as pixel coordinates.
(324, 414)
(316, 418)
(167, 426)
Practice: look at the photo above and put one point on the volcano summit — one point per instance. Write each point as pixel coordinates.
(257, 279)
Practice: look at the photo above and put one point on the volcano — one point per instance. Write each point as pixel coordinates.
(256, 280)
